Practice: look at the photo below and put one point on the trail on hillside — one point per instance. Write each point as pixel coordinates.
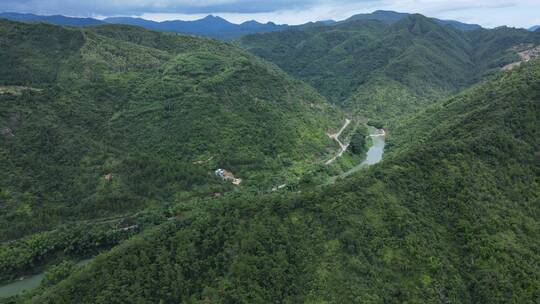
(342, 146)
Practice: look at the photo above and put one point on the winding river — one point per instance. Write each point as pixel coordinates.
(373, 156)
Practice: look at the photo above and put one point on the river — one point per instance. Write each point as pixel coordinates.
(26, 283)
(373, 155)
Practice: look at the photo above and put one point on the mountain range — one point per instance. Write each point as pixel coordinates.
(118, 145)
(439, 220)
(212, 26)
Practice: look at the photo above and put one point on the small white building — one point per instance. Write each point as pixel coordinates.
(228, 176)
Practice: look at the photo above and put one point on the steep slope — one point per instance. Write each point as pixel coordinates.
(450, 216)
(386, 70)
(111, 119)
(346, 62)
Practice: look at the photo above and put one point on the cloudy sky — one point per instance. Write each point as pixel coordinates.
(489, 13)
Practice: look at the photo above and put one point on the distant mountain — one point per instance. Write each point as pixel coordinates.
(383, 16)
(534, 28)
(210, 26)
(390, 17)
(56, 19)
(217, 27)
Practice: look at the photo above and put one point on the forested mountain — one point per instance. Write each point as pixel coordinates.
(534, 28)
(110, 137)
(390, 17)
(450, 216)
(111, 119)
(385, 69)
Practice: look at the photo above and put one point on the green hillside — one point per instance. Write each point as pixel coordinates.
(450, 216)
(382, 70)
(158, 112)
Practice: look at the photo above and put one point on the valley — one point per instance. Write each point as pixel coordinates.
(384, 158)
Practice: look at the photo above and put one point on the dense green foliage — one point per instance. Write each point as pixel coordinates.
(156, 113)
(100, 123)
(382, 70)
(450, 216)
(29, 254)
(57, 273)
(358, 143)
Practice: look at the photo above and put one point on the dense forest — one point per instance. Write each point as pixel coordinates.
(110, 136)
(382, 69)
(450, 217)
(112, 119)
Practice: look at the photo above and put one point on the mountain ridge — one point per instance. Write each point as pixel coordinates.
(386, 69)
(215, 26)
(392, 17)
(210, 26)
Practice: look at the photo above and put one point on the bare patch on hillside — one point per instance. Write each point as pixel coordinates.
(526, 52)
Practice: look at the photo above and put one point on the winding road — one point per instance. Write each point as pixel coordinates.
(342, 146)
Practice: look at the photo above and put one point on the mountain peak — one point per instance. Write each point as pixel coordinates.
(214, 18)
(251, 22)
(381, 15)
(416, 24)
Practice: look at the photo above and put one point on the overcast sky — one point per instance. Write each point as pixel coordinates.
(488, 13)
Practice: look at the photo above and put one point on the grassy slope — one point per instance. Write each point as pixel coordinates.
(384, 71)
(451, 215)
(143, 106)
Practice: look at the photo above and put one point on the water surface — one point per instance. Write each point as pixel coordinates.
(26, 283)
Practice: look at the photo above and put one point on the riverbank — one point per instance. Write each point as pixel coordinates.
(27, 283)
(373, 155)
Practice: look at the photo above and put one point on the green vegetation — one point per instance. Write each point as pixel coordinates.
(451, 216)
(376, 123)
(57, 273)
(358, 143)
(385, 70)
(109, 136)
(117, 118)
(30, 254)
